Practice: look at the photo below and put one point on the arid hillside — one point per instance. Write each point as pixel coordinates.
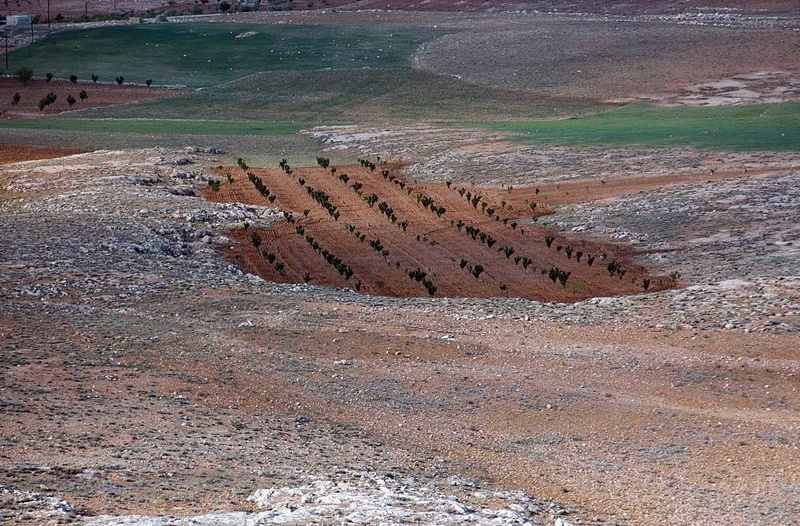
(471, 326)
(205, 383)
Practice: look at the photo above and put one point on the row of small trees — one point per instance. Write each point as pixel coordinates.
(476, 199)
(556, 274)
(51, 98)
(258, 183)
(375, 244)
(420, 276)
(385, 208)
(324, 201)
(25, 74)
(429, 203)
(475, 233)
(345, 270)
(476, 270)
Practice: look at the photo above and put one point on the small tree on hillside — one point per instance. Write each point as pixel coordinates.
(24, 75)
(73, 78)
(120, 80)
(50, 98)
(83, 95)
(70, 100)
(48, 77)
(94, 77)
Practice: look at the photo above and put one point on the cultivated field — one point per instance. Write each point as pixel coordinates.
(430, 262)
(375, 232)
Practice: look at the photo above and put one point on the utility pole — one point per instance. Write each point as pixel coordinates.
(5, 32)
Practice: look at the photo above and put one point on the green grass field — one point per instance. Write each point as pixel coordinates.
(756, 127)
(274, 80)
(207, 54)
(352, 96)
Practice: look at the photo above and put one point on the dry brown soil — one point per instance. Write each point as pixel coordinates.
(175, 389)
(421, 239)
(12, 153)
(100, 94)
(138, 383)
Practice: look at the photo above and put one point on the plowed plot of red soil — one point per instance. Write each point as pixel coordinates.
(10, 153)
(98, 95)
(419, 240)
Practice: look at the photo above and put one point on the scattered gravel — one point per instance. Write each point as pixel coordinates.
(168, 383)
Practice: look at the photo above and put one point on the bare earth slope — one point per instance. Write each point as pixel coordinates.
(147, 380)
(143, 374)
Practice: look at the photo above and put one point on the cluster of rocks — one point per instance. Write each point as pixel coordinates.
(34, 508)
(370, 498)
(721, 17)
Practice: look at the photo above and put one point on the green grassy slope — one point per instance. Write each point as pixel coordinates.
(756, 127)
(277, 79)
(207, 54)
(363, 96)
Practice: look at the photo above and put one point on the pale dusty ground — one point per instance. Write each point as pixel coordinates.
(142, 374)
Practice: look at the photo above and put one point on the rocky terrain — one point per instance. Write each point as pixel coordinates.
(143, 375)
(148, 378)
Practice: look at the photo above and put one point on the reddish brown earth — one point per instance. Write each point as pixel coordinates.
(434, 243)
(431, 242)
(204, 387)
(99, 95)
(189, 398)
(77, 8)
(12, 153)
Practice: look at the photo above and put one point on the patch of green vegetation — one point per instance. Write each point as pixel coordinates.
(339, 96)
(756, 127)
(207, 54)
(156, 126)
